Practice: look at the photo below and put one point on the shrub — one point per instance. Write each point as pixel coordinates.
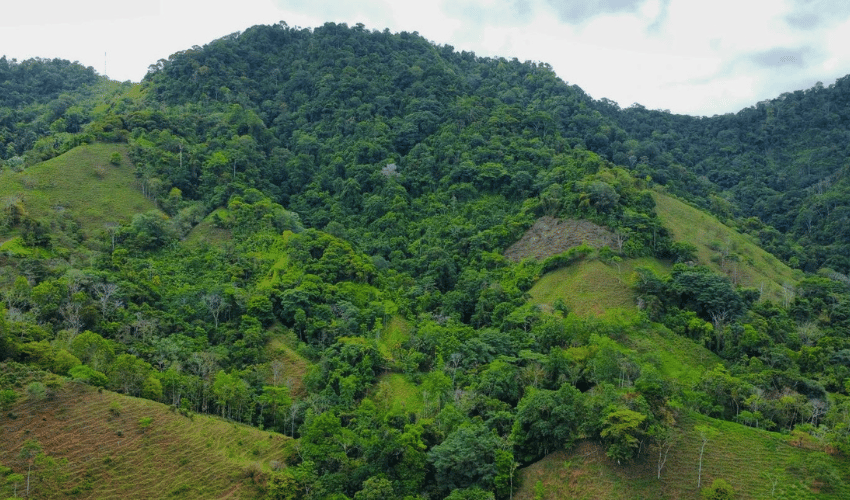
(145, 423)
(719, 490)
(36, 391)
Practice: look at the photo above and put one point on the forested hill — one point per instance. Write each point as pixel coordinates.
(307, 231)
(44, 106)
(783, 161)
(374, 96)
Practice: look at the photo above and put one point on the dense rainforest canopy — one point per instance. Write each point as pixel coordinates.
(325, 216)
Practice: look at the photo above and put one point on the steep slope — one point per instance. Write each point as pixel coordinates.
(93, 184)
(112, 453)
(726, 250)
(782, 160)
(757, 464)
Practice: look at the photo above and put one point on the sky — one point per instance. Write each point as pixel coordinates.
(686, 56)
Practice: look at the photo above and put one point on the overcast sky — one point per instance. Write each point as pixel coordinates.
(699, 58)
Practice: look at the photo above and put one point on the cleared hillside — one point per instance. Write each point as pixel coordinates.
(85, 182)
(111, 455)
(758, 465)
(725, 250)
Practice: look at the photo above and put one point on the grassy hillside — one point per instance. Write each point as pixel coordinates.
(110, 455)
(591, 288)
(83, 182)
(206, 232)
(724, 249)
(758, 465)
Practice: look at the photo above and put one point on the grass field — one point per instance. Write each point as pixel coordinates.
(758, 464)
(396, 393)
(110, 455)
(280, 348)
(676, 357)
(745, 263)
(83, 182)
(207, 233)
(591, 288)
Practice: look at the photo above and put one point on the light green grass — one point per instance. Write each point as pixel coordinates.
(280, 348)
(591, 288)
(393, 337)
(745, 457)
(754, 267)
(676, 357)
(207, 233)
(15, 247)
(394, 392)
(83, 182)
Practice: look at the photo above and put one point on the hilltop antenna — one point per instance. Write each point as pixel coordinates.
(104, 63)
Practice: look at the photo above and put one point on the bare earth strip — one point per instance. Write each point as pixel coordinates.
(550, 236)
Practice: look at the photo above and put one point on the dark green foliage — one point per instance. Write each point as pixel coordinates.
(326, 260)
(466, 458)
(44, 106)
(623, 429)
(547, 420)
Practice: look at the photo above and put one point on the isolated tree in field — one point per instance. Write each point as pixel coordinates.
(29, 451)
(665, 437)
(706, 434)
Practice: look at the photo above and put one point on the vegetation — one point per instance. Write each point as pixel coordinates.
(297, 239)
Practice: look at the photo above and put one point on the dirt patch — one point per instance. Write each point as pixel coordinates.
(550, 236)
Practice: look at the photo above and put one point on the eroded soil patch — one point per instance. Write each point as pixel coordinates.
(550, 236)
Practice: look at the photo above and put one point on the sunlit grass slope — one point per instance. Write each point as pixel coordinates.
(206, 232)
(758, 465)
(84, 183)
(111, 456)
(591, 287)
(724, 249)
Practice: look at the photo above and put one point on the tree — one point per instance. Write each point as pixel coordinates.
(375, 488)
(29, 451)
(466, 458)
(546, 421)
(706, 434)
(93, 350)
(277, 399)
(622, 429)
(105, 293)
(14, 479)
(128, 373)
(215, 304)
(665, 437)
(87, 375)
